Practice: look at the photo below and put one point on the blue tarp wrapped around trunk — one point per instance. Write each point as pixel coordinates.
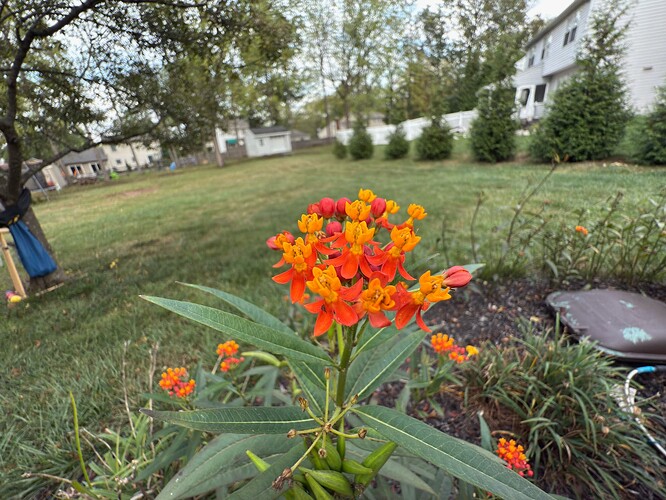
(33, 255)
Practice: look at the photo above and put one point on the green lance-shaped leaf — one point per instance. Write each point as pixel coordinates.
(459, 458)
(312, 383)
(255, 313)
(221, 453)
(261, 486)
(263, 420)
(247, 331)
(381, 365)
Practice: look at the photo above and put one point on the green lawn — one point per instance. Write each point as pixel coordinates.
(142, 233)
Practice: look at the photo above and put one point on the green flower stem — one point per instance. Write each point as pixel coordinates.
(300, 460)
(345, 356)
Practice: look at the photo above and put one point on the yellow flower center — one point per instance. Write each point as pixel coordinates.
(325, 283)
(357, 234)
(297, 254)
(310, 223)
(377, 298)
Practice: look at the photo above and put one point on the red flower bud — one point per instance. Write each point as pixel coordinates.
(313, 208)
(340, 210)
(456, 277)
(327, 206)
(333, 227)
(378, 207)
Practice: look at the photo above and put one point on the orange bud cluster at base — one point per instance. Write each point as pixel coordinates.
(582, 230)
(229, 348)
(175, 382)
(227, 351)
(514, 456)
(443, 344)
(230, 363)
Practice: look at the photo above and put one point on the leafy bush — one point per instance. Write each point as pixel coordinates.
(645, 137)
(558, 397)
(435, 143)
(360, 145)
(398, 145)
(339, 150)
(587, 116)
(493, 132)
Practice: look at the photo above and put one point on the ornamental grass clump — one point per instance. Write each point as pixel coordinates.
(346, 267)
(563, 399)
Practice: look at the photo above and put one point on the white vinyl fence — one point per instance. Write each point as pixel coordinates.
(459, 122)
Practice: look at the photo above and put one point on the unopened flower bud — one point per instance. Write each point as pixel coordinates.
(341, 208)
(333, 227)
(456, 277)
(327, 373)
(378, 207)
(327, 207)
(314, 208)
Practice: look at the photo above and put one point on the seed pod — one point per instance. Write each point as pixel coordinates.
(332, 456)
(258, 462)
(376, 461)
(317, 489)
(296, 492)
(341, 445)
(353, 467)
(332, 480)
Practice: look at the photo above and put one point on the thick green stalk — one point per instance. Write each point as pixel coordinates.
(345, 356)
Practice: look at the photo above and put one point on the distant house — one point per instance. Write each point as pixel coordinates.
(87, 163)
(267, 141)
(373, 120)
(550, 57)
(122, 157)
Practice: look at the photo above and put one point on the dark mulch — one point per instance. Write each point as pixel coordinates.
(489, 312)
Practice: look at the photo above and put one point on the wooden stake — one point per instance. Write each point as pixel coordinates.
(16, 279)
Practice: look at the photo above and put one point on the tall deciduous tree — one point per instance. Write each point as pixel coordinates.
(67, 65)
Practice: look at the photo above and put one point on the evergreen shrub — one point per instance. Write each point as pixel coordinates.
(435, 143)
(360, 145)
(339, 150)
(493, 132)
(398, 145)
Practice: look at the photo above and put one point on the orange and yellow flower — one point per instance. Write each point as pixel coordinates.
(175, 382)
(375, 299)
(514, 456)
(366, 195)
(354, 243)
(302, 259)
(334, 297)
(392, 259)
(229, 348)
(230, 363)
(582, 230)
(431, 289)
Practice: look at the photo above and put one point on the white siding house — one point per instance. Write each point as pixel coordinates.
(550, 56)
(267, 141)
(134, 155)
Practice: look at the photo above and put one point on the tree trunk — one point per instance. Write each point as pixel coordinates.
(56, 277)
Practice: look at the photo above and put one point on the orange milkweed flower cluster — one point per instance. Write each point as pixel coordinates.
(175, 382)
(582, 230)
(350, 256)
(443, 343)
(227, 351)
(514, 456)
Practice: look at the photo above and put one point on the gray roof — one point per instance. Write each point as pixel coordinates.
(87, 156)
(549, 27)
(268, 130)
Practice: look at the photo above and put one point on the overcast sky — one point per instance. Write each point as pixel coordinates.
(547, 9)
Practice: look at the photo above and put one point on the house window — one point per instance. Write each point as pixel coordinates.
(530, 57)
(524, 96)
(95, 167)
(572, 27)
(540, 93)
(546, 47)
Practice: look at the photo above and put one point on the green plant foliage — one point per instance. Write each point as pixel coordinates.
(458, 458)
(557, 398)
(398, 145)
(339, 150)
(493, 132)
(435, 142)
(645, 137)
(587, 115)
(360, 144)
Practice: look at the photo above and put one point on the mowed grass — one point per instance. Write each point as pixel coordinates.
(143, 233)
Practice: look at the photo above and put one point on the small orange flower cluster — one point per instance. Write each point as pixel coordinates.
(174, 380)
(514, 456)
(227, 350)
(582, 230)
(351, 272)
(443, 343)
